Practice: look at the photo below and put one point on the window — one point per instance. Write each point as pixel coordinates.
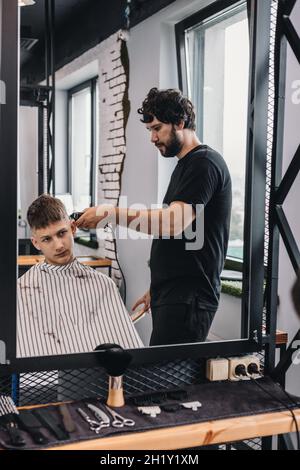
(82, 144)
(216, 75)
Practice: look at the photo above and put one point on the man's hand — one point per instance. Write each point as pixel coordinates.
(146, 299)
(96, 217)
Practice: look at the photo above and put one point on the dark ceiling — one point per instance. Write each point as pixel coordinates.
(79, 26)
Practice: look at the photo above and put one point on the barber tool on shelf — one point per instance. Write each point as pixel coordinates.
(193, 405)
(158, 397)
(115, 361)
(29, 423)
(170, 407)
(118, 420)
(94, 425)
(115, 392)
(99, 415)
(8, 419)
(67, 419)
(52, 423)
(151, 411)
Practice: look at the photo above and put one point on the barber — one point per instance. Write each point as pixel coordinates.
(185, 278)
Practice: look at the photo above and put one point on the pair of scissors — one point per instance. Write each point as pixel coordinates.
(95, 426)
(100, 415)
(118, 420)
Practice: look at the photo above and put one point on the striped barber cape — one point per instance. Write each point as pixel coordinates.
(70, 309)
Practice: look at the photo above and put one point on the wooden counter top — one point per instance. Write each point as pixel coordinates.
(195, 435)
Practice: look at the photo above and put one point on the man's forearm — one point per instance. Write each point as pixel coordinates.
(152, 222)
(171, 221)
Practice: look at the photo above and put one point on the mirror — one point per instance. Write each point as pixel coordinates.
(102, 153)
(217, 57)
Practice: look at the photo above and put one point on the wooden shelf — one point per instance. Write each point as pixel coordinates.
(195, 435)
(281, 337)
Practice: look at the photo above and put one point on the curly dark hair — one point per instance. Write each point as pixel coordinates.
(168, 106)
(44, 211)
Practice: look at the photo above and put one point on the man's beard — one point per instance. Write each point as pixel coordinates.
(173, 146)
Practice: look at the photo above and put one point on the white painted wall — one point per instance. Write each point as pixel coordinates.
(227, 321)
(287, 319)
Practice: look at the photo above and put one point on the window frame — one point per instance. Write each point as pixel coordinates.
(92, 85)
(180, 29)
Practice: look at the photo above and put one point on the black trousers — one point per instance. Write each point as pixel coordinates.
(180, 323)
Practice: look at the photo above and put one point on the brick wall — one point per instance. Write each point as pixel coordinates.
(114, 108)
(114, 111)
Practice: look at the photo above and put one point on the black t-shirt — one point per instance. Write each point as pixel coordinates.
(179, 275)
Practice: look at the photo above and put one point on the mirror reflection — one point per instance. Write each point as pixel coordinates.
(157, 258)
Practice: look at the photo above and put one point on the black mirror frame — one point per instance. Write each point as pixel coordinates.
(255, 205)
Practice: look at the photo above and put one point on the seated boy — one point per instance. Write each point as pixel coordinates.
(63, 306)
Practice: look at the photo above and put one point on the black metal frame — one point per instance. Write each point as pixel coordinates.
(50, 83)
(8, 178)
(253, 266)
(91, 84)
(280, 187)
(40, 97)
(44, 98)
(255, 238)
(142, 356)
